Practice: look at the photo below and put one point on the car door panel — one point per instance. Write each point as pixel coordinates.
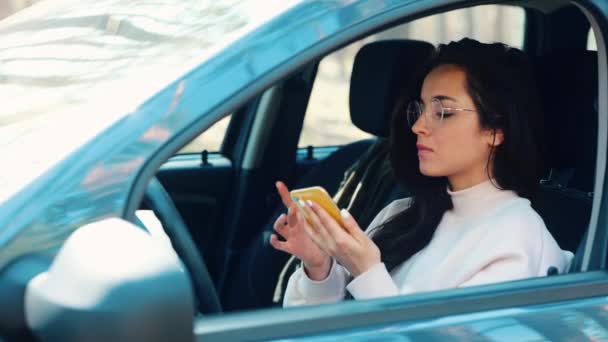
(200, 192)
(533, 304)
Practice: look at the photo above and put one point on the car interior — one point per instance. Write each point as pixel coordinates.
(228, 201)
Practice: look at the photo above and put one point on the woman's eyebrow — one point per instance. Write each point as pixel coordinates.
(444, 97)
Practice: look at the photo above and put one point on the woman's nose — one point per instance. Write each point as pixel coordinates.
(420, 126)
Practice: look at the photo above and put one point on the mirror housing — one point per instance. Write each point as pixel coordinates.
(112, 281)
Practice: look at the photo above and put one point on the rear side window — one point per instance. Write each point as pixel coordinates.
(327, 121)
(210, 140)
(488, 23)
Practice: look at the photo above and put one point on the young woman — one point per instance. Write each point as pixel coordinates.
(471, 171)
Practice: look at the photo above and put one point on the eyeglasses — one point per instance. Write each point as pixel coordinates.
(433, 117)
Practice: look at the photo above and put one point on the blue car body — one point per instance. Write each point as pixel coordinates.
(113, 147)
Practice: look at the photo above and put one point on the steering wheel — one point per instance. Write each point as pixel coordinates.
(159, 201)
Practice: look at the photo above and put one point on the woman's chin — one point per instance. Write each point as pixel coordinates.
(429, 172)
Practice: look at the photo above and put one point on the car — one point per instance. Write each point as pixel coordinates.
(120, 219)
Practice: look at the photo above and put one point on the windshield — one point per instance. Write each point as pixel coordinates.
(70, 68)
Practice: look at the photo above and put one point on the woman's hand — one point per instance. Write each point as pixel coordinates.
(292, 227)
(347, 243)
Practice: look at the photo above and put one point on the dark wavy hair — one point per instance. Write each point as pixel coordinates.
(500, 82)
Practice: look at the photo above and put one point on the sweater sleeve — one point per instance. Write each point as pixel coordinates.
(374, 283)
(301, 290)
(377, 281)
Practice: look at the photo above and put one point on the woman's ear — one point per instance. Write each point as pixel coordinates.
(495, 137)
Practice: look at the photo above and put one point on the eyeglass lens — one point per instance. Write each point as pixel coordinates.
(415, 109)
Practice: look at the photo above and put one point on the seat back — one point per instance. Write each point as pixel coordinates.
(380, 73)
(568, 81)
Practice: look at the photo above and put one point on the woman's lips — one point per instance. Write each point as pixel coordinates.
(422, 148)
(423, 151)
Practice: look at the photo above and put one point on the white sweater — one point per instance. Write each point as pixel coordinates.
(490, 235)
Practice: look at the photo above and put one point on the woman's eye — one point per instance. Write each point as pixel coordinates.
(438, 115)
(447, 115)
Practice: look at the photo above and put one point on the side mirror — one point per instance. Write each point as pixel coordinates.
(112, 281)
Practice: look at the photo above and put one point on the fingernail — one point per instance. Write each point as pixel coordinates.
(345, 214)
(310, 204)
(276, 184)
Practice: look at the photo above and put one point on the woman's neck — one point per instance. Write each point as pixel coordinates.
(478, 199)
(469, 179)
(461, 183)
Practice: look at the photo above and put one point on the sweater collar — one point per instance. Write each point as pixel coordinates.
(479, 198)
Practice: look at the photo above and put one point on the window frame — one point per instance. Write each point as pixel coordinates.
(539, 291)
(596, 247)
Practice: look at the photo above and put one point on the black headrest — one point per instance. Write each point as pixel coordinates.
(380, 73)
(568, 87)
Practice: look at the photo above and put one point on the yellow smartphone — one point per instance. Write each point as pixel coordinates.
(318, 195)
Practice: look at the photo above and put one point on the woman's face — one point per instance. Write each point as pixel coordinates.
(456, 148)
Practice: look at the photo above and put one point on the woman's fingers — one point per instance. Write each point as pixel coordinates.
(312, 217)
(332, 227)
(293, 215)
(350, 224)
(284, 193)
(318, 231)
(315, 235)
(280, 227)
(280, 245)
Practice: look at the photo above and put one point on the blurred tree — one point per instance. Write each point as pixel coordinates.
(8, 7)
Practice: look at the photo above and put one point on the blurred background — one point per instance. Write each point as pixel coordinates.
(8, 7)
(327, 121)
(329, 101)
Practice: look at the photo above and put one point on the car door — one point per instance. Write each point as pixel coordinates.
(569, 306)
(447, 308)
(523, 310)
